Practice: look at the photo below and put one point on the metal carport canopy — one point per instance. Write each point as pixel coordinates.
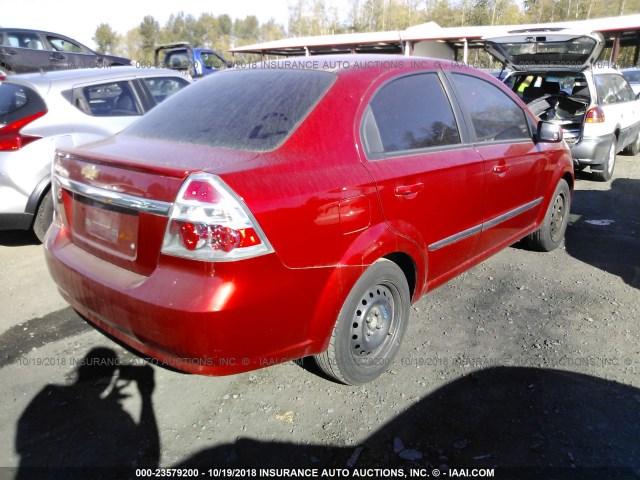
(618, 31)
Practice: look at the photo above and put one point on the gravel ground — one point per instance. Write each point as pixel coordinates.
(528, 360)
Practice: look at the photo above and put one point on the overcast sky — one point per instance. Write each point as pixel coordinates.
(78, 19)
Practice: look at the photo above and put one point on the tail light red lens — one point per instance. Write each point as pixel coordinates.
(200, 191)
(594, 115)
(12, 139)
(190, 235)
(209, 222)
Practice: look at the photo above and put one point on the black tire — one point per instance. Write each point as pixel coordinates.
(634, 147)
(370, 326)
(550, 234)
(44, 216)
(605, 171)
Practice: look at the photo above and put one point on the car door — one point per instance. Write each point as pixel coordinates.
(430, 179)
(514, 165)
(25, 51)
(67, 53)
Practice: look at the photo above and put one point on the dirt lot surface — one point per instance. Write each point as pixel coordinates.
(528, 364)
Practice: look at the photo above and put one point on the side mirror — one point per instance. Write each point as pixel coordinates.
(549, 132)
(638, 96)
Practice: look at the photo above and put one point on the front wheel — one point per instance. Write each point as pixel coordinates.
(550, 234)
(370, 326)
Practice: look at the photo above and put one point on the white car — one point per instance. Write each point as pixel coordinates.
(41, 112)
(556, 72)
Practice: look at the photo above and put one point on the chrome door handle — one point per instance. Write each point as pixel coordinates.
(408, 190)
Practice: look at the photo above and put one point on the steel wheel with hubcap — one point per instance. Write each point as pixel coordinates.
(550, 234)
(370, 327)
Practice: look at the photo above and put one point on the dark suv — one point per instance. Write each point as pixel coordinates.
(24, 51)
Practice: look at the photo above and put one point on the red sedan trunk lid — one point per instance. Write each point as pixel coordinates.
(95, 181)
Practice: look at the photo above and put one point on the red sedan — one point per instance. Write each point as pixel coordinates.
(296, 209)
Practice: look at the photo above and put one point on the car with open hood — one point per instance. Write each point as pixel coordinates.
(556, 71)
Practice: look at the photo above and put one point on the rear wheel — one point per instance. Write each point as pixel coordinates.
(44, 217)
(606, 171)
(370, 327)
(550, 234)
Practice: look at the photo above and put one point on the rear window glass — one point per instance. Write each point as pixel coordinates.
(536, 51)
(240, 110)
(494, 115)
(412, 113)
(17, 102)
(613, 88)
(23, 40)
(163, 87)
(110, 100)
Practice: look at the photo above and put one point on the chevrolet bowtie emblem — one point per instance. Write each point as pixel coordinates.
(90, 172)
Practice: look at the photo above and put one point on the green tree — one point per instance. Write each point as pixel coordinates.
(106, 39)
(149, 31)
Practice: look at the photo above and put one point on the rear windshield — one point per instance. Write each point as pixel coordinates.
(17, 102)
(241, 110)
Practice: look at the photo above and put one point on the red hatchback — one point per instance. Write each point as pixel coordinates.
(297, 209)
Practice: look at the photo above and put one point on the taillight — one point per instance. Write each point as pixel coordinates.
(209, 222)
(12, 139)
(594, 115)
(56, 188)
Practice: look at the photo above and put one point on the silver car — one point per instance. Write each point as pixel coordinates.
(557, 74)
(40, 112)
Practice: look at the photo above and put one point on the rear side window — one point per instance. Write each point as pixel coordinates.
(23, 40)
(613, 89)
(410, 113)
(64, 45)
(241, 110)
(163, 87)
(495, 116)
(17, 102)
(114, 99)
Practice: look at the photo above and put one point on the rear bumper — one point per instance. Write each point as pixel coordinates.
(591, 150)
(212, 319)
